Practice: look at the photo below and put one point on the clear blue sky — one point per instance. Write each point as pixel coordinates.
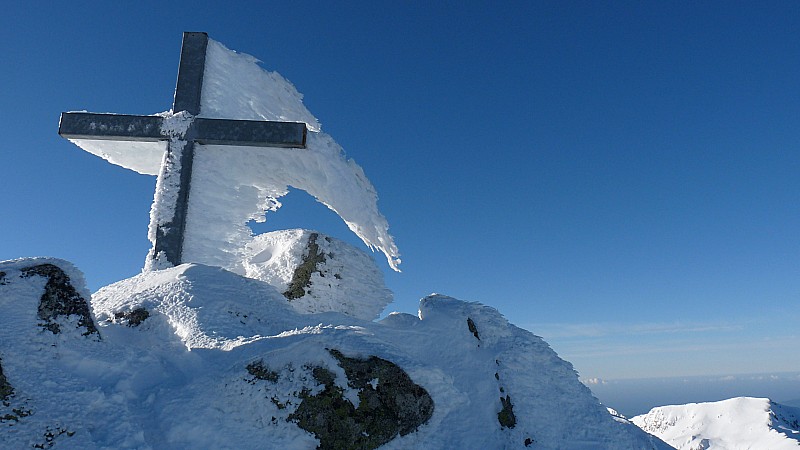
(620, 179)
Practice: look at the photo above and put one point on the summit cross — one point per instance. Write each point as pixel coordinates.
(176, 168)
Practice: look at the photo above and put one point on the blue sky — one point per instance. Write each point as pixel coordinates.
(620, 179)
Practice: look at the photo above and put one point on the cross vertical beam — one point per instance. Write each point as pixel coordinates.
(176, 169)
(180, 152)
(191, 68)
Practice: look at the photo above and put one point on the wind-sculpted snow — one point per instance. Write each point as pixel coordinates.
(236, 87)
(140, 157)
(734, 424)
(224, 361)
(251, 180)
(234, 185)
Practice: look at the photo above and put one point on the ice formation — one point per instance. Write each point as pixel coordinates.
(141, 157)
(234, 185)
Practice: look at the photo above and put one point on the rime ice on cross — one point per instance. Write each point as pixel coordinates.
(181, 131)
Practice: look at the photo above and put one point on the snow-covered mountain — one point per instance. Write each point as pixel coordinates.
(737, 423)
(270, 340)
(201, 357)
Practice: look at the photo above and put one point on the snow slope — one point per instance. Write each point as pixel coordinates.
(178, 378)
(737, 423)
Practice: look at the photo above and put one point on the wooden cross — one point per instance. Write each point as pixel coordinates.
(177, 166)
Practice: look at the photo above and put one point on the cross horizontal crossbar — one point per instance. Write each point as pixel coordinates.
(250, 132)
(121, 127)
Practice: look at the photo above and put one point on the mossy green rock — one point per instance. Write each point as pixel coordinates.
(301, 279)
(390, 404)
(506, 415)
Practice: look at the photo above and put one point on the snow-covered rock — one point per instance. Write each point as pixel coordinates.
(61, 288)
(737, 423)
(318, 273)
(45, 330)
(200, 357)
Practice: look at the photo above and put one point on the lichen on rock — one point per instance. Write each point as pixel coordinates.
(302, 274)
(260, 371)
(390, 404)
(506, 415)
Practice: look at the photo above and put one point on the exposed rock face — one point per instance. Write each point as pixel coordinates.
(390, 403)
(472, 328)
(261, 372)
(506, 415)
(134, 317)
(302, 274)
(60, 299)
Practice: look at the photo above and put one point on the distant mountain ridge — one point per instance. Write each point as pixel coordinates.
(733, 424)
(795, 402)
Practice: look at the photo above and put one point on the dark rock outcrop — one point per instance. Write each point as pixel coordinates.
(506, 415)
(60, 299)
(134, 317)
(390, 404)
(261, 372)
(10, 413)
(301, 279)
(473, 329)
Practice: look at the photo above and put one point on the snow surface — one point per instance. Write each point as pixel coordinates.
(178, 380)
(734, 424)
(232, 185)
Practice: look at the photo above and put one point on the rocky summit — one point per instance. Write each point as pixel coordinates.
(200, 357)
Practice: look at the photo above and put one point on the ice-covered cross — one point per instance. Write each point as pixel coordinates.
(233, 180)
(181, 129)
